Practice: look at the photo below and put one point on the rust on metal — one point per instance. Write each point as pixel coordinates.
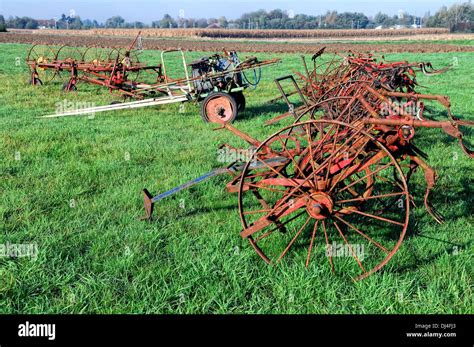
(340, 171)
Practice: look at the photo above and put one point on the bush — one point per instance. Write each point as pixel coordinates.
(3, 29)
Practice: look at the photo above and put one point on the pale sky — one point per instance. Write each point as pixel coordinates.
(149, 10)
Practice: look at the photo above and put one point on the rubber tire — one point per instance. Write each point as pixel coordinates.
(37, 82)
(74, 88)
(219, 94)
(240, 100)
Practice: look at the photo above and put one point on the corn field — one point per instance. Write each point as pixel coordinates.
(243, 33)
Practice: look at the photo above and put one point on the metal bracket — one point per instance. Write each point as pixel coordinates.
(285, 95)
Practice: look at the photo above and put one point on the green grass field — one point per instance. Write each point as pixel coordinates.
(72, 186)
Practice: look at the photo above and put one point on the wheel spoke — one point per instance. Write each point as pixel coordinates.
(257, 211)
(378, 217)
(297, 186)
(321, 167)
(348, 245)
(311, 243)
(369, 197)
(364, 177)
(297, 167)
(274, 190)
(331, 161)
(328, 253)
(281, 225)
(316, 186)
(344, 172)
(395, 184)
(363, 235)
(293, 240)
(310, 145)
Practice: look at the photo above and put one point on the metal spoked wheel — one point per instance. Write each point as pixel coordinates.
(68, 56)
(329, 198)
(219, 108)
(37, 55)
(97, 56)
(130, 59)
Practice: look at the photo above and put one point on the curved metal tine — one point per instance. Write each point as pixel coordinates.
(342, 174)
(321, 166)
(466, 150)
(293, 159)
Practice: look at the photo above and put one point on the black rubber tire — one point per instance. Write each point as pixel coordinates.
(35, 82)
(74, 88)
(240, 100)
(230, 98)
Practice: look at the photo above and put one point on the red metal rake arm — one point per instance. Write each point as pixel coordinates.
(449, 127)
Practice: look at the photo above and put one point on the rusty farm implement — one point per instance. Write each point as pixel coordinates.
(336, 180)
(217, 81)
(115, 68)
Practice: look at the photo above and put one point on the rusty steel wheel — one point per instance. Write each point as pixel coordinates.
(37, 55)
(219, 108)
(336, 193)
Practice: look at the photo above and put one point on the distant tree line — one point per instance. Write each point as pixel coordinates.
(19, 23)
(456, 17)
(3, 27)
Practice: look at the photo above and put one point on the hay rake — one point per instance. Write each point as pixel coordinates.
(384, 95)
(217, 81)
(334, 184)
(116, 69)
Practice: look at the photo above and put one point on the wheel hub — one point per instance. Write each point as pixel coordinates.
(220, 111)
(319, 205)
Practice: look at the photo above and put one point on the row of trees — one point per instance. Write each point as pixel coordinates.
(19, 23)
(452, 17)
(64, 22)
(276, 19)
(3, 27)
